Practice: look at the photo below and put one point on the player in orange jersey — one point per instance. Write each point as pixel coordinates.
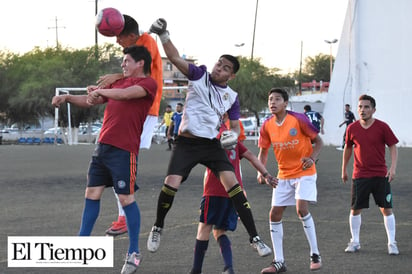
(291, 135)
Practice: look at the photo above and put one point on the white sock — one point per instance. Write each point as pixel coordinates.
(276, 233)
(390, 226)
(310, 232)
(355, 224)
(119, 205)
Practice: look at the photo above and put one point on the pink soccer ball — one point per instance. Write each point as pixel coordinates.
(109, 22)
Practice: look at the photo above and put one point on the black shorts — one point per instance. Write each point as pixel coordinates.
(379, 187)
(189, 152)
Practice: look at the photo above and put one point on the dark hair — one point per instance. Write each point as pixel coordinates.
(307, 108)
(180, 104)
(130, 26)
(169, 106)
(347, 105)
(232, 59)
(140, 53)
(368, 98)
(281, 92)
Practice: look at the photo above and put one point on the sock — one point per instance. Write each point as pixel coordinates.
(310, 232)
(355, 224)
(89, 217)
(390, 227)
(276, 234)
(119, 205)
(200, 251)
(242, 207)
(225, 250)
(166, 196)
(133, 226)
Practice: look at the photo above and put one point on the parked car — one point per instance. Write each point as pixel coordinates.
(50, 131)
(83, 129)
(249, 126)
(159, 136)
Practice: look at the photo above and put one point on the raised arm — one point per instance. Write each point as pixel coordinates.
(160, 28)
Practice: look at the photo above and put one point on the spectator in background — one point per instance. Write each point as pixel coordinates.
(167, 119)
(315, 118)
(175, 121)
(349, 119)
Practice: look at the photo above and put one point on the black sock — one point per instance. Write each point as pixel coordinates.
(166, 196)
(242, 207)
(200, 251)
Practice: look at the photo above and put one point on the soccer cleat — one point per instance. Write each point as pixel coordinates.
(275, 267)
(393, 249)
(315, 262)
(352, 247)
(228, 270)
(153, 242)
(262, 249)
(118, 227)
(132, 263)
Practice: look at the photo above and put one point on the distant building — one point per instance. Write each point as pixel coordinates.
(315, 87)
(172, 77)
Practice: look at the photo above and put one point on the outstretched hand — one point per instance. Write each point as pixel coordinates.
(228, 139)
(159, 26)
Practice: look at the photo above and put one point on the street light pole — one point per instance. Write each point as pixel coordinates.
(330, 56)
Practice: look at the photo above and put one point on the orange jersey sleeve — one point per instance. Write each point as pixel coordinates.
(291, 141)
(157, 69)
(242, 135)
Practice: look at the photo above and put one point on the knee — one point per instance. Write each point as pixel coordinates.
(275, 215)
(126, 199)
(217, 233)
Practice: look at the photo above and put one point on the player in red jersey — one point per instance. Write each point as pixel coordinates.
(367, 138)
(114, 162)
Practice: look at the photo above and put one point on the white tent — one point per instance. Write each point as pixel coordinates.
(374, 57)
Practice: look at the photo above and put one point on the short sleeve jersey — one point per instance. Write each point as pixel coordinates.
(167, 116)
(291, 141)
(176, 118)
(206, 103)
(349, 117)
(157, 69)
(314, 118)
(213, 186)
(369, 148)
(123, 120)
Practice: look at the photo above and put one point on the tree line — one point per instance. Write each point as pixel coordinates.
(28, 81)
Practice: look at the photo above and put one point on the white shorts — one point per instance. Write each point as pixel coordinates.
(148, 129)
(289, 190)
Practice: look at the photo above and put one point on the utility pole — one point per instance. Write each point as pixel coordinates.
(56, 27)
(96, 44)
(300, 68)
(95, 30)
(254, 29)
